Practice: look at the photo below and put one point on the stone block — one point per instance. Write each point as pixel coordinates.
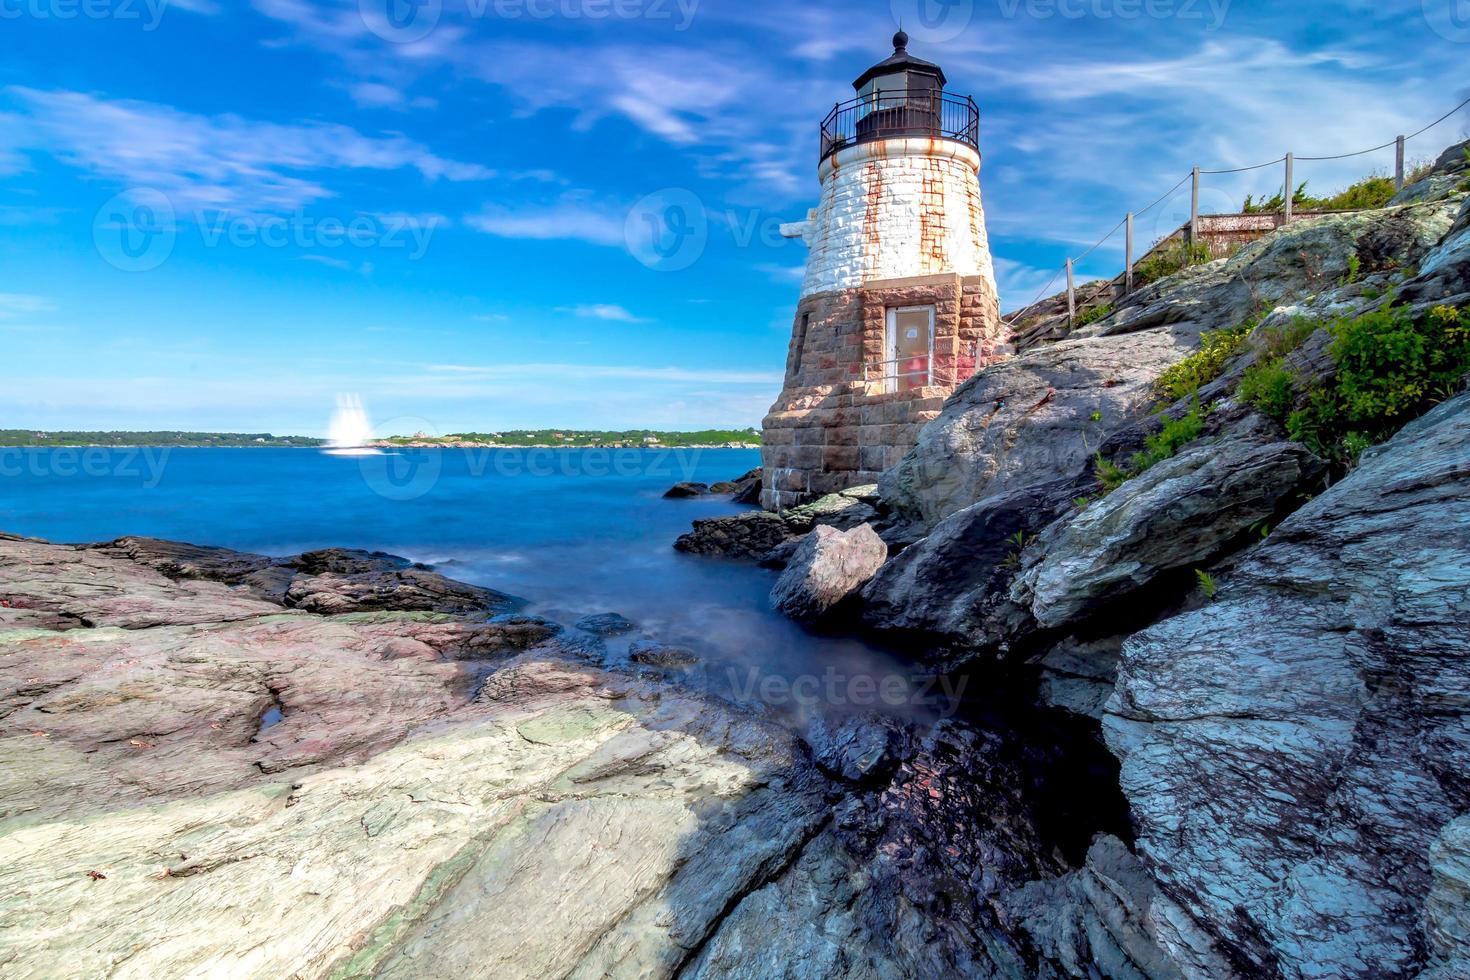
(841, 458)
(814, 434)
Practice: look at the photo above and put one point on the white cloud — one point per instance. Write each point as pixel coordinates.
(16, 305)
(572, 218)
(601, 311)
(218, 162)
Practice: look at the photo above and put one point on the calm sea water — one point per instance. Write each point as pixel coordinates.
(574, 532)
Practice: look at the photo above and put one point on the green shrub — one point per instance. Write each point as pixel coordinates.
(1169, 259)
(1282, 340)
(1390, 369)
(1270, 387)
(1217, 348)
(1174, 436)
(1095, 314)
(1110, 475)
(1368, 194)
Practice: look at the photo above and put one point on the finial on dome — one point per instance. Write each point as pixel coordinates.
(900, 41)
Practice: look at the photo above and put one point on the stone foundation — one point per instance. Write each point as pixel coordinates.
(836, 424)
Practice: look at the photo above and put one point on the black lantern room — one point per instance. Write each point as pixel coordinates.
(901, 96)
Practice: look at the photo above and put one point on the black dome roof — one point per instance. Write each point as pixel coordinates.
(901, 61)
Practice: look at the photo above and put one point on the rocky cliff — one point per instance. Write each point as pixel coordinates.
(1228, 522)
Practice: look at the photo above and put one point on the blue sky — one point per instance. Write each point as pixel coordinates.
(441, 210)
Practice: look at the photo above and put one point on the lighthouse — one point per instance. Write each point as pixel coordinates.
(898, 306)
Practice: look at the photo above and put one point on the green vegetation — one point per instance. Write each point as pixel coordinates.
(1390, 369)
(1367, 194)
(1207, 584)
(37, 438)
(579, 439)
(1217, 348)
(1270, 386)
(1169, 259)
(1021, 540)
(1354, 271)
(1172, 436)
(1095, 314)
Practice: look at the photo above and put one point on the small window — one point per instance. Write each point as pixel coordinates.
(910, 348)
(806, 322)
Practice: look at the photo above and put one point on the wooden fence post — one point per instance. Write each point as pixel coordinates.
(1194, 211)
(1071, 296)
(1290, 190)
(1128, 274)
(1399, 166)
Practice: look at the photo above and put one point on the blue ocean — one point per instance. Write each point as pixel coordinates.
(573, 532)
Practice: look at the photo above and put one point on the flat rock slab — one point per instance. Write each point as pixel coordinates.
(271, 793)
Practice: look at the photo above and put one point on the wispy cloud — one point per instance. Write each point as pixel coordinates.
(215, 161)
(571, 218)
(601, 311)
(16, 305)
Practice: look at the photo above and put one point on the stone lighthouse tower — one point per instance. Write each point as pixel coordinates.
(899, 303)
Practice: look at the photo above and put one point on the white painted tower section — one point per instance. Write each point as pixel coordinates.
(893, 209)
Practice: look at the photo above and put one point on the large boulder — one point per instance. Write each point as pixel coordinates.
(953, 588)
(1174, 518)
(1293, 751)
(827, 570)
(1036, 419)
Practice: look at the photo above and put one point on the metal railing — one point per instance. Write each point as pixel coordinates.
(1190, 232)
(892, 115)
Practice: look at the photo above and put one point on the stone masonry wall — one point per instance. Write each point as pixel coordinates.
(897, 208)
(835, 426)
(900, 224)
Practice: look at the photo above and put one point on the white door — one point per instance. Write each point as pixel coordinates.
(910, 347)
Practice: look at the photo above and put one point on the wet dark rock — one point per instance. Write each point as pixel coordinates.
(654, 654)
(952, 589)
(860, 749)
(606, 624)
(408, 590)
(754, 535)
(748, 488)
(746, 537)
(685, 491)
